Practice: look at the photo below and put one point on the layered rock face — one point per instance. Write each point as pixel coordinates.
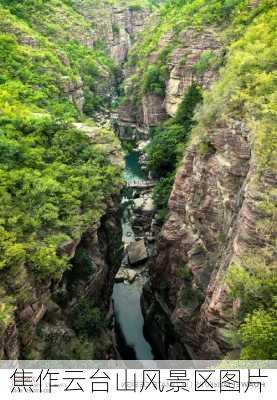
(182, 62)
(126, 23)
(44, 309)
(197, 241)
(214, 218)
(215, 215)
(203, 206)
(116, 26)
(74, 91)
(153, 109)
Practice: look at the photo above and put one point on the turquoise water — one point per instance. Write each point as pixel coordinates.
(133, 172)
(126, 297)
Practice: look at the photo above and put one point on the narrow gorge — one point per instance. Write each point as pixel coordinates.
(137, 180)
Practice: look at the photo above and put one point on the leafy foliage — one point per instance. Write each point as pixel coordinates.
(82, 262)
(259, 334)
(245, 91)
(154, 79)
(58, 53)
(167, 145)
(255, 284)
(161, 195)
(6, 311)
(168, 141)
(207, 58)
(176, 16)
(53, 179)
(88, 320)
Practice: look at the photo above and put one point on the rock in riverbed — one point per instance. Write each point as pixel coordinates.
(125, 274)
(144, 204)
(137, 252)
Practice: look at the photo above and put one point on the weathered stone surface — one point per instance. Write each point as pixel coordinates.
(137, 252)
(69, 247)
(144, 204)
(153, 110)
(74, 91)
(116, 26)
(27, 313)
(143, 212)
(125, 25)
(182, 75)
(142, 144)
(29, 41)
(213, 219)
(126, 274)
(9, 344)
(38, 313)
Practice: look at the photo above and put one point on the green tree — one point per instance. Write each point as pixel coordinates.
(255, 284)
(258, 334)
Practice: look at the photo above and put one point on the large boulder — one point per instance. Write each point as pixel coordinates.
(137, 252)
(144, 204)
(126, 274)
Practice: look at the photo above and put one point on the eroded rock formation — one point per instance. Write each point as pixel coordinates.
(152, 109)
(116, 26)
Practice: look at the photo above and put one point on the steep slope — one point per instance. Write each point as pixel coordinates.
(60, 185)
(115, 23)
(86, 73)
(215, 263)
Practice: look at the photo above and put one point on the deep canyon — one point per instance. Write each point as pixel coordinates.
(171, 114)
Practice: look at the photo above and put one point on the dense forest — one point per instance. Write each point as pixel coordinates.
(80, 82)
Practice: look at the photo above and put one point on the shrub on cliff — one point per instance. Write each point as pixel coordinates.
(52, 187)
(167, 145)
(258, 335)
(7, 308)
(206, 60)
(167, 142)
(88, 320)
(155, 80)
(163, 150)
(161, 195)
(254, 284)
(83, 266)
(57, 53)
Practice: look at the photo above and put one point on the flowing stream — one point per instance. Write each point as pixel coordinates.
(129, 320)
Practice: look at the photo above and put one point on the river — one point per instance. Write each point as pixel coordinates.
(129, 322)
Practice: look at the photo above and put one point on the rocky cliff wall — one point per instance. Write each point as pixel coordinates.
(41, 312)
(116, 26)
(197, 240)
(217, 208)
(222, 198)
(126, 23)
(150, 109)
(214, 217)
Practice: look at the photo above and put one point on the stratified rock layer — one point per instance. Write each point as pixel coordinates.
(214, 217)
(152, 109)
